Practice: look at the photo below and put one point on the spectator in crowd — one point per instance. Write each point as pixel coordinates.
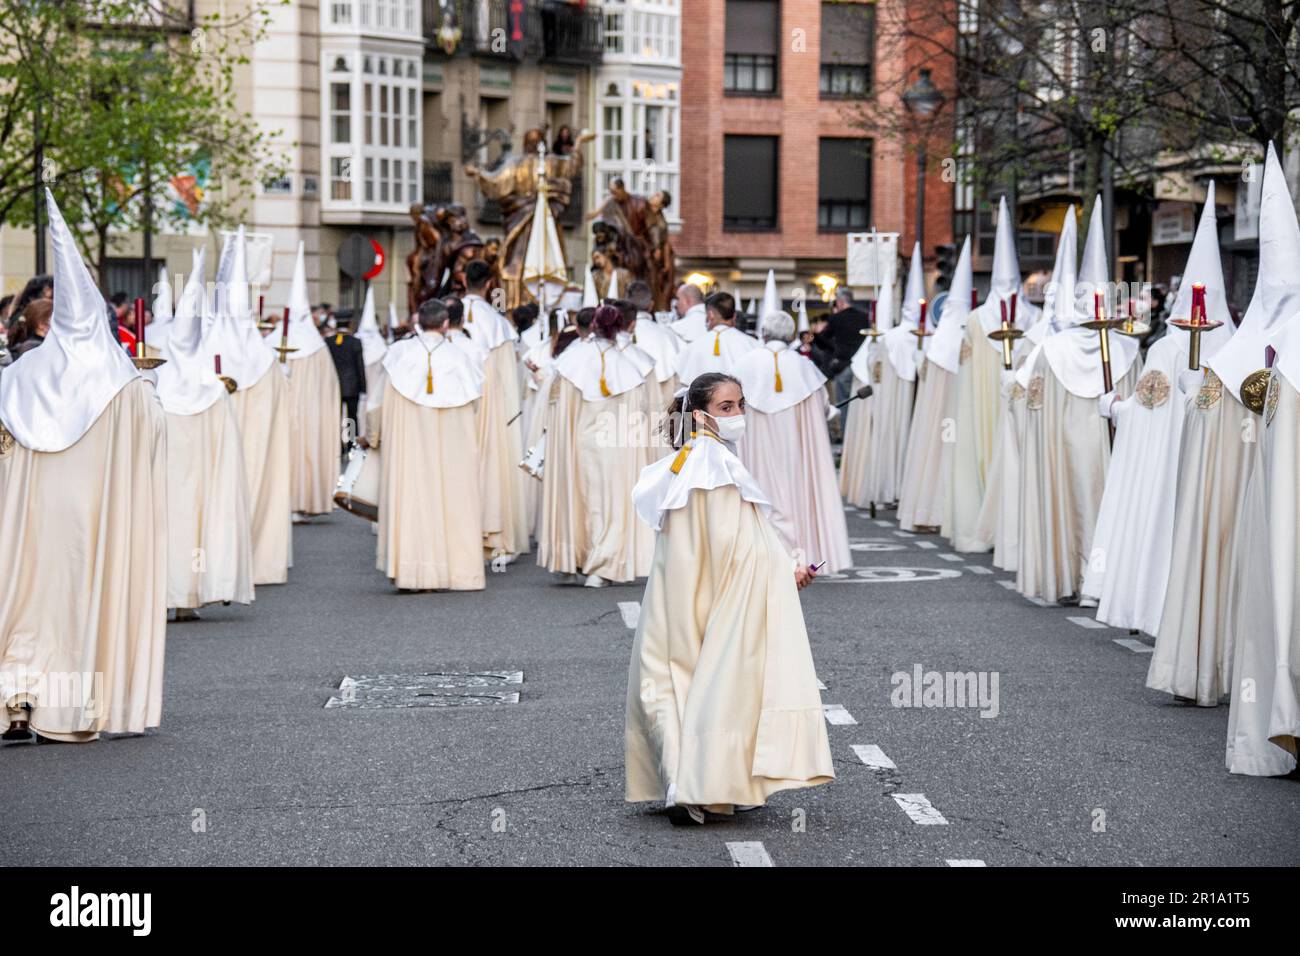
(841, 338)
(30, 329)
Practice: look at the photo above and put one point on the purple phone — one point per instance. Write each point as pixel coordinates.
(817, 567)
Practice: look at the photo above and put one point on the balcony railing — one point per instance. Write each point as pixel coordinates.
(550, 30)
(437, 183)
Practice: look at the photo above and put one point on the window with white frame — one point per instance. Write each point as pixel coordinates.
(372, 16)
(373, 127)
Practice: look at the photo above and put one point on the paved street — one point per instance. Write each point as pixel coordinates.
(1080, 766)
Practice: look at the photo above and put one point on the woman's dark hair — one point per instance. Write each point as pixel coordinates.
(524, 316)
(627, 308)
(455, 311)
(609, 321)
(27, 326)
(677, 421)
(584, 318)
(34, 290)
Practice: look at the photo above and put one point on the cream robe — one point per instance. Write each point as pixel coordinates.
(1063, 464)
(978, 407)
(587, 522)
(891, 423)
(262, 414)
(505, 513)
(209, 529)
(1193, 655)
(430, 518)
(853, 453)
(722, 699)
(929, 446)
(789, 455)
(1000, 514)
(1260, 676)
(1281, 456)
(83, 574)
(314, 438)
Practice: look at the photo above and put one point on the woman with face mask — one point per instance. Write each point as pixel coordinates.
(597, 433)
(722, 701)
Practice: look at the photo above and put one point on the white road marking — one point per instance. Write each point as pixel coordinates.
(1009, 585)
(820, 685)
(904, 534)
(916, 806)
(1087, 622)
(836, 714)
(927, 545)
(980, 569)
(965, 862)
(873, 757)
(749, 853)
(952, 557)
(631, 611)
(882, 524)
(1037, 601)
(1137, 647)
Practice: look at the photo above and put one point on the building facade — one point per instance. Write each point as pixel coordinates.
(776, 167)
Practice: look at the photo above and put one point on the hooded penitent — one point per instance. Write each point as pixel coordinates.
(232, 332)
(54, 395)
(188, 383)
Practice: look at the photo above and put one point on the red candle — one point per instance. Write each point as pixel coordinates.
(1096, 305)
(139, 328)
(1198, 304)
(974, 302)
(1003, 304)
(1014, 295)
(286, 321)
(216, 360)
(260, 299)
(922, 315)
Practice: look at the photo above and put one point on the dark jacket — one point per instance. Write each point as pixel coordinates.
(842, 336)
(25, 346)
(348, 362)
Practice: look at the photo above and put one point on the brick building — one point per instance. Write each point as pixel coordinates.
(774, 170)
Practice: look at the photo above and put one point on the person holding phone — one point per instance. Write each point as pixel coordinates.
(722, 702)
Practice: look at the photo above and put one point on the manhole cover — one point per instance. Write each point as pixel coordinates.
(431, 689)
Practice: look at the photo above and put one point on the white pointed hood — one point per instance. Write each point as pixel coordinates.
(1074, 353)
(612, 291)
(914, 291)
(771, 300)
(1277, 291)
(1204, 267)
(188, 383)
(861, 361)
(589, 297)
(945, 348)
(392, 315)
(1058, 300)
(1005, 281)
(232, 332)
(802, 324)
(899, 343)
(52, 396)
(160, 328)
(303, 334)
(373, 345)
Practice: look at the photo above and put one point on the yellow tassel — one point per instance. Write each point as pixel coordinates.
(604, 389)
(777, 365)
(716, 338)
(680, 459)
(428, 381)
(338, 339)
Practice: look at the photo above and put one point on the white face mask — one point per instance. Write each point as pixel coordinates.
(731, 428)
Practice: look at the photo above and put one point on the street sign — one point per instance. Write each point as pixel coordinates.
(378, 267)
(356, 256)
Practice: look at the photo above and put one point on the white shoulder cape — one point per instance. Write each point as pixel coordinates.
(757, 373)
(584, 363)
(709, 464)
(458, 371)
(488, 327)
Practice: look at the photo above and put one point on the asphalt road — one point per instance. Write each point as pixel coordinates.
(1080, 766)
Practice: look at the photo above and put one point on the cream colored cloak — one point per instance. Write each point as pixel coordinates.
(83, 574)
(262, 414)
(314, 437)
(722, 700)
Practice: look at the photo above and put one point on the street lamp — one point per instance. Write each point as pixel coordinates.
(922, 99)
